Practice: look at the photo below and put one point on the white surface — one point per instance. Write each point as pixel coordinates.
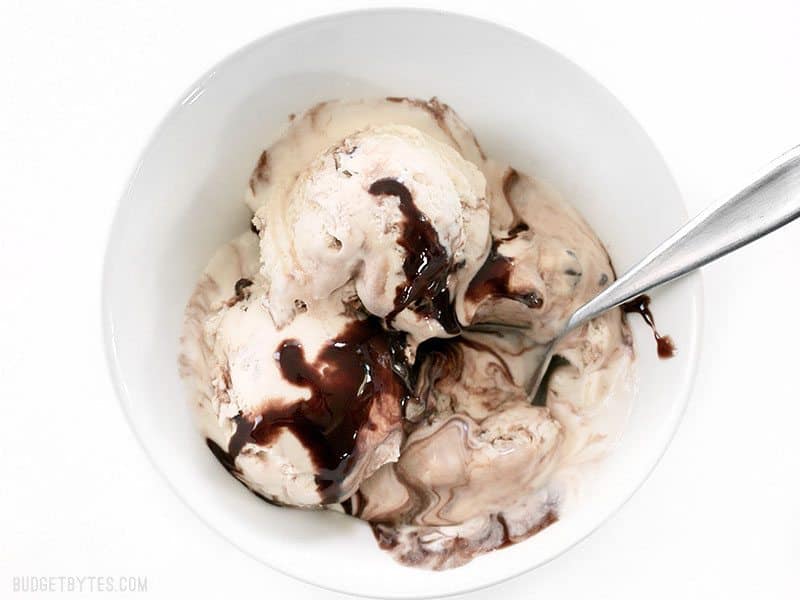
(714, 84)
(561, 125)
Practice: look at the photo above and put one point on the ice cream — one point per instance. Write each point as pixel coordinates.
(370, 347)
(289, 411)
(360, 211)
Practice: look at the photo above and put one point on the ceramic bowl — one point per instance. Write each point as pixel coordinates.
(529, 107)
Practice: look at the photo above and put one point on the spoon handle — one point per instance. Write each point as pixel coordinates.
(770, 201)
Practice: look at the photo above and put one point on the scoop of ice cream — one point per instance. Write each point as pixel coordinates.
(481, 449)
(475, 448)
(456, 468)
(233, 262)
(456, 489)
(326, 124)
(397, 212)
(302, 414)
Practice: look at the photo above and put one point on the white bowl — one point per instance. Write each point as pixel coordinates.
(529, 106)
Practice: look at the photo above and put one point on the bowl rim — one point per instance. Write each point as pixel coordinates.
(697, 295)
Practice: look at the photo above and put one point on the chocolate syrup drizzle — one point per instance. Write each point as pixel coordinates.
(641, 305)
(222, 455)
(426, 265)
(492, 280)
(366, 363)
(228, 462)
(352, 372)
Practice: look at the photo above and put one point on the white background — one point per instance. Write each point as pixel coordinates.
(716, 84)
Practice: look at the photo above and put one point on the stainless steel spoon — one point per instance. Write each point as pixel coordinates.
(769, 201)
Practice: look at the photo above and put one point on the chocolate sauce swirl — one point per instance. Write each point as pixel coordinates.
(426, 265)
(352, 372)
(493, 278)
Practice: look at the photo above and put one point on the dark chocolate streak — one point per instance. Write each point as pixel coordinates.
(426, 265)
(240, 288)
(227, 461)
(641, 305)
(353, 504)
(501, 519)
(241, 291)
(352, 372)
(241, 434)
(520, 227)
(492, 280)
(540, 398)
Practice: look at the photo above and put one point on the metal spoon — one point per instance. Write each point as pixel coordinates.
(770, 201)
